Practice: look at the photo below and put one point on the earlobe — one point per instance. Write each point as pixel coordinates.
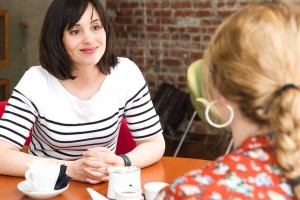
(229, 108)
(222, 100)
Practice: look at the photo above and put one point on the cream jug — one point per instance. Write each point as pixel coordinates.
(120, 177)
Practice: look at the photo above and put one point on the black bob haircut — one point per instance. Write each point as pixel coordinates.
(63, 14)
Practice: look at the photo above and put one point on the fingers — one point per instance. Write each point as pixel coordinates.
(88, 170)
(95, 169)
(102, 149)
(96, 175)
(95, 162)
(93, 181)
(107, 157)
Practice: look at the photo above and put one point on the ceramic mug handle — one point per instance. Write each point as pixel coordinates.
(28, 177)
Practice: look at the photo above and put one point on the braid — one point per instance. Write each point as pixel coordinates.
(252, 54)
(284, 117)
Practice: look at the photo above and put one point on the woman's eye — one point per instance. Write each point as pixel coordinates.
(97, 27)
(74, 32)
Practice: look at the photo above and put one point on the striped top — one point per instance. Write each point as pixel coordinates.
(64, 126)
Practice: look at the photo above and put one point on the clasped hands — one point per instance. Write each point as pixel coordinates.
(92, 167)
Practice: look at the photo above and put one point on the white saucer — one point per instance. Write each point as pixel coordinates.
(24, 188)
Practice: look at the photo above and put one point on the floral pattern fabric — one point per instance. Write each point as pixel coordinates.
(250, 172)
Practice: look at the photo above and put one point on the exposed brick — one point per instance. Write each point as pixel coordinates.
(166, 21)
(181, 5)
(182, 78)
(201, 5)
(128, 4)
(125, 12)
(197, 55)
(150, 36)
(183, 13)
(202, 13)
(139, 12)
(165, 5)
(155, 28)
(167, 77)
(152, 5)
(164, 37)
(124, 20)
(177, 53)
(135, 51)
(225, 13)
(171, 62)
(162, 13)
(194, 29)
(111, 4)
(119, 28)
(135, 28)
(226, 4)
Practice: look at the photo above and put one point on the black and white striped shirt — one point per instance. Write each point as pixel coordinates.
(64, 126)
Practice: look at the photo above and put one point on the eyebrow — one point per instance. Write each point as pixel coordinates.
(95, 20)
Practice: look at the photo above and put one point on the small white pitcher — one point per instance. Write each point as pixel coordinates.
(120, 177)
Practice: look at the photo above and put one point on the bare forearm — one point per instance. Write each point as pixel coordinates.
(13, 162)
(147, 153)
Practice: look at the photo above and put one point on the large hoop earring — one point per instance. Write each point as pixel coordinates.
(230, 109)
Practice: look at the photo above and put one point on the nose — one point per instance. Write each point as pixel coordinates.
(88, 37)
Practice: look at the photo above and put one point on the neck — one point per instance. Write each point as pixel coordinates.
(242, 129)
(86, 74)
(87, 82)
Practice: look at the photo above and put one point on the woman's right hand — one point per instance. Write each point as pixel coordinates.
(78, 170)
(87, 169)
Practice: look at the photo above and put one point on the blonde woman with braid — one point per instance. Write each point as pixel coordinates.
(252, 70)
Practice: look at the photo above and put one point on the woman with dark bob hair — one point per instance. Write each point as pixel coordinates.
(75, 101)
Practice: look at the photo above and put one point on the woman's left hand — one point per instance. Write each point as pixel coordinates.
(97, 160)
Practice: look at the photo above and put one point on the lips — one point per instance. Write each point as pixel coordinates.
(89, 50)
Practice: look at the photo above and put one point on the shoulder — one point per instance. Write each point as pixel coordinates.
(35, 79)
(128, 72)
(238, 174)
(126, 65)
(125, 61)
(36, 72)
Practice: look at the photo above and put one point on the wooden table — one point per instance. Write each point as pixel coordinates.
(166, 170)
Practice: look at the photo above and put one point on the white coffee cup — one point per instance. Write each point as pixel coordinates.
(41, 175)
(128, 193)
(120, 177)
(152, 189)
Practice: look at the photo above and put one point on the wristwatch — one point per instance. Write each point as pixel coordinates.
(126, 159)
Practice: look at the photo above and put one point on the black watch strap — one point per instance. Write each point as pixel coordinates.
(126, 159)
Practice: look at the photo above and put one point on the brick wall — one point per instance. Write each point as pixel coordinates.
(164, 37)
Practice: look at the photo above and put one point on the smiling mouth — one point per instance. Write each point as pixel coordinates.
(89, 50)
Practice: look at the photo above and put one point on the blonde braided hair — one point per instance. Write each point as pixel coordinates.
(252, 55)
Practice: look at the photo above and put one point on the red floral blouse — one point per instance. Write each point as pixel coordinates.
(250, 172)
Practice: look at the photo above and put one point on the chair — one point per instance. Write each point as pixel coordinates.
(125, 141)
(194, 79)
(2, 109)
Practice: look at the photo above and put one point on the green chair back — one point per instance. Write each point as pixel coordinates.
(194, 82)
